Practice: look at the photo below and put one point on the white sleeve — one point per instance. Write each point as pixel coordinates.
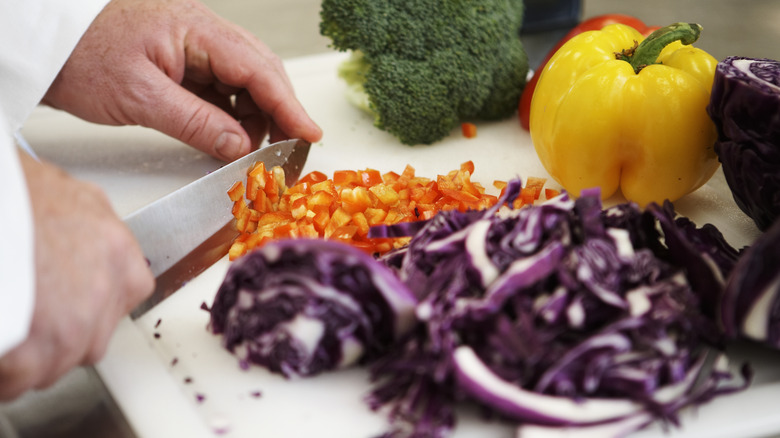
(16, 249)
(36, 36)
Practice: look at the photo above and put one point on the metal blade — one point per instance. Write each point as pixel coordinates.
(192, 227)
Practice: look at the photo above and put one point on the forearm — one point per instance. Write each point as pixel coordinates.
(38, 36)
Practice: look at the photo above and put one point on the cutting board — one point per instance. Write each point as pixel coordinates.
(171, 377)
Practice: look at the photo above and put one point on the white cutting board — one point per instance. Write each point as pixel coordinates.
(159, 366)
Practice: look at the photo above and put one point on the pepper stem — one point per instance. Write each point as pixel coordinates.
(647, 52)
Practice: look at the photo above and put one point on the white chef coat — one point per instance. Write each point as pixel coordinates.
(36, 38)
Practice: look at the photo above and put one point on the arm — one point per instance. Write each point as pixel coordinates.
(37, 38)
(170, 65)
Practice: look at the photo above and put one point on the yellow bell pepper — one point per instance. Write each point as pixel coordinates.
(612, 114)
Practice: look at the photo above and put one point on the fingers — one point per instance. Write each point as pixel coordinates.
(254, 121)
(267, 83)
(238, 60)
(177, 67)
(19, 371)
(227, 127)
(205, 123)
(52, 349)
(241, 91)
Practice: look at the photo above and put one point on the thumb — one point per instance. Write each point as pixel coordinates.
(183, 115)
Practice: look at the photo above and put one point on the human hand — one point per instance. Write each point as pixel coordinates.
(173, 65)
(90, 272)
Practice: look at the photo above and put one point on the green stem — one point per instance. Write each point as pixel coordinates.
(648, 51)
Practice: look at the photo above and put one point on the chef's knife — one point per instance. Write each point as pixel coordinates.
(188, 230)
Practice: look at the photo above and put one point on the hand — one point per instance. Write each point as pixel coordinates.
(175, 66)
(90, 272)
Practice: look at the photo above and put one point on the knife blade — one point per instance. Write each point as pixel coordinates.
(189, 229)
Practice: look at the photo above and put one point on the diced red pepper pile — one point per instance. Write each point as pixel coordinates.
(345, 206)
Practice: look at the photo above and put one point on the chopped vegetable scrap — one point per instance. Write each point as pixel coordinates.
(651, 138)
(468, 129)
(345, 206)
(744, 105)
(558, 315)
(303, 306)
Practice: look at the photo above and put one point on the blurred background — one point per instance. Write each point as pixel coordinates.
(731, 27)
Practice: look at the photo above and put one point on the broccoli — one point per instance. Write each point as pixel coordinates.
(423, 66)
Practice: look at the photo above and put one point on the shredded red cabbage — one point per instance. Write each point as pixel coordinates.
(301, 307)
(557, 315)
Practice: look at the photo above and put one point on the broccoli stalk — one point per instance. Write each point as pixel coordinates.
(423, 66)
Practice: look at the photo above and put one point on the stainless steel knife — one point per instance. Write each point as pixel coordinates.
(185, 232)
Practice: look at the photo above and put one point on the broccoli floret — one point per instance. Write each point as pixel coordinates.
(423, 66)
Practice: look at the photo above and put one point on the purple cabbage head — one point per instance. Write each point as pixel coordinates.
(301, 307)
(745, 107)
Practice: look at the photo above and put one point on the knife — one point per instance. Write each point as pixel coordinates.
(186, 231)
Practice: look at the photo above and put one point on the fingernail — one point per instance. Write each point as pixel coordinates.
(228, 145)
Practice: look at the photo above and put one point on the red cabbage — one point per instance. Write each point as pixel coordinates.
(745, 107)
(563, 315)
(301, 307)
(704, 253)
(561, 304)
(750, 305)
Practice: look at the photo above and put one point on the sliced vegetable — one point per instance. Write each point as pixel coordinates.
(561, 314)
(744, 105)
(619, 428)
(536, 408)
(702, 252)
(301, 307)
(593, 23)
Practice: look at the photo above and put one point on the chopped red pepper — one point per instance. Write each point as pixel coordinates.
(345, 207)
(468, 129)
